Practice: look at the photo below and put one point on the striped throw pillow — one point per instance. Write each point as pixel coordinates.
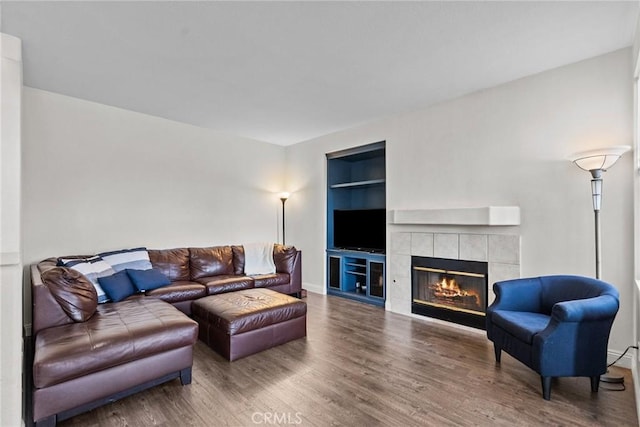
(127, 259)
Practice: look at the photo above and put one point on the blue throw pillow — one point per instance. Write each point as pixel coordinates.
(147, 280)
(117, 286)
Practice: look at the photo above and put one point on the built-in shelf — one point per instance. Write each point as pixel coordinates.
(488, 215)
(357, 273)
(356, 217)
(359, 183)
(355, 265)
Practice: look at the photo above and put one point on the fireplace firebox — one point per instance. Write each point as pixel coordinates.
(450, 289)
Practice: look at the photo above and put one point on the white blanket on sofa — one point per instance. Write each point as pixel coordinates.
(258, 259)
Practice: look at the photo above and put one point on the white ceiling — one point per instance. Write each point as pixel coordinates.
(286, 72)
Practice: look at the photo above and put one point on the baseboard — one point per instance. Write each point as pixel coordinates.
(625, 362)
(312, 287)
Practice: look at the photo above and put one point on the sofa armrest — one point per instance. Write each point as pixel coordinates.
(575, 341)
(589, 309)
(295, 276)
(288, 260)
(517, 295)
(46, 312)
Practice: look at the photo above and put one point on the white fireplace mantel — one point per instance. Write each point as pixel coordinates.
(488, 215)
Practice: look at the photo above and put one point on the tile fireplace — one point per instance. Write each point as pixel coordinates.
(498, 250)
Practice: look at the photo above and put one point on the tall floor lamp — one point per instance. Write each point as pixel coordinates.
(596, 162)
(283, 198)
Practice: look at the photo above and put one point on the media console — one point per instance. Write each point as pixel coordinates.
(356, 275)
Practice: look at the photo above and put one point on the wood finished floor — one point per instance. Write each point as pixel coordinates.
(362, 366)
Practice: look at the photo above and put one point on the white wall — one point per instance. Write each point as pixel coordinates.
(506, 145)
(10, 229)
(98, 178)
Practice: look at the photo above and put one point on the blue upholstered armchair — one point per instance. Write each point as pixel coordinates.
(557, 325)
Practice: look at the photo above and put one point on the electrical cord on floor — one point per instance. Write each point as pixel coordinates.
(615, 383)
(622, 355)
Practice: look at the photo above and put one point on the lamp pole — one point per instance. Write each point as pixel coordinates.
(283, 199)
(596, 194)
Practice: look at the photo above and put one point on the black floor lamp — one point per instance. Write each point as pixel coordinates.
(283, 198)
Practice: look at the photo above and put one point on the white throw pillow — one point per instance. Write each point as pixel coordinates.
(258, 259)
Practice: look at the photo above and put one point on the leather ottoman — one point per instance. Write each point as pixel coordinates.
(241, 323)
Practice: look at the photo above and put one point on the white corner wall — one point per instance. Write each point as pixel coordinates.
(10, 229)
(97, 178)
(504, 146)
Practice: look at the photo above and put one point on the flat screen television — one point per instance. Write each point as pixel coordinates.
(360, 229)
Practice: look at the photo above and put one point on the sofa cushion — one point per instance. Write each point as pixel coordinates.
(521, 324)
(92, 268)
(173, 263)
(212, 261)
(117, 286)
(226, 283)
(238, 259)
(118, 333)
(179, 291)
(148, 280)
(284, 257)
(269, 280)
(136, 259)
(74, 292)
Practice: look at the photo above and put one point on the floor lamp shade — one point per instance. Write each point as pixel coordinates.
(599, 159)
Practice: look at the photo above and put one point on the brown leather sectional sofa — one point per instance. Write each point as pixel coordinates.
(85, 356)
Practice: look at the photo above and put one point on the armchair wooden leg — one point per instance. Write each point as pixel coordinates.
(595, 382)
(546, 388)
(497, 351)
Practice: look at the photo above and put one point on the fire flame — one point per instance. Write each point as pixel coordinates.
(449, 288)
